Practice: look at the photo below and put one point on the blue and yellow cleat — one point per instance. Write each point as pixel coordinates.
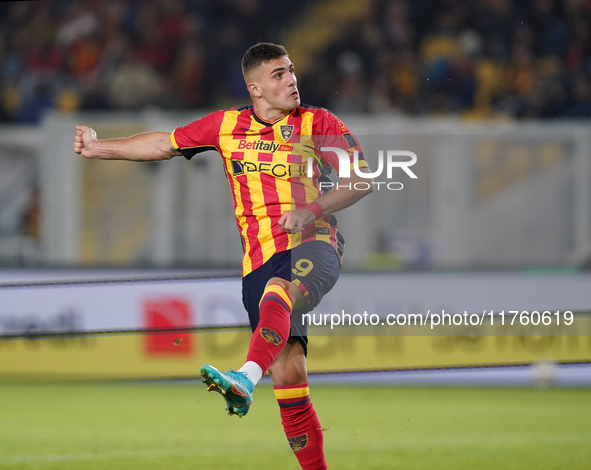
(235, 387)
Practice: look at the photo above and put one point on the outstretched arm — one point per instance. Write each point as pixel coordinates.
(145, 147)
(332, 201)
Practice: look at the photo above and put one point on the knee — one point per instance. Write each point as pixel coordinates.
(278, 281)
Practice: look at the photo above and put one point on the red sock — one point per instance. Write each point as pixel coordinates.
(272, 332)
(301, 425)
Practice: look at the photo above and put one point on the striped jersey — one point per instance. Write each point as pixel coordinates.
(273, 167)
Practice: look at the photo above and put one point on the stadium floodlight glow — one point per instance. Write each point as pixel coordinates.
(345, 162)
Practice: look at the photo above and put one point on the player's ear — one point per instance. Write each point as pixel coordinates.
(254, 90)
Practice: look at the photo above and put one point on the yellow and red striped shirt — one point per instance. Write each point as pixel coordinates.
(267, 167)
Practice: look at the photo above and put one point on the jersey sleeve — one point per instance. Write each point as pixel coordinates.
(199, 136)
(336, 134)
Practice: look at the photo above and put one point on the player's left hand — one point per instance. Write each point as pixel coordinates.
(296, 221)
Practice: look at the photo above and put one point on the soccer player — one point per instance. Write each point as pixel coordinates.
(275, 167)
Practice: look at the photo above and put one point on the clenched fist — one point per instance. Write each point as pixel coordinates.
(296, 221)
(84, 140)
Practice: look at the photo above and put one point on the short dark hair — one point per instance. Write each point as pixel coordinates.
(261, 53)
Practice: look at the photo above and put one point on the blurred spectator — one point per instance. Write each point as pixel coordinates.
(395, 24)
(134, 83)
(80, 22)
(150, 46)
(350, 89)
(581, 99)
(439, 51)
(33, 108)
(188, 74)
(551, 31)
(460, 82)
(405, 79)
(494, 21)
(315, 81)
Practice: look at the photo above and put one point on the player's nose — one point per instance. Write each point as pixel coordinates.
(292, 80)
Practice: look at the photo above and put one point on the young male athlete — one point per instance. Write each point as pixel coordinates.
(273, 160)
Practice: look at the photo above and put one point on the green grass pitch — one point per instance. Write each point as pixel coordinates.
(180, 426)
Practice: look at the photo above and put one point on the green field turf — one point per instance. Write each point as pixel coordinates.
(179, 426)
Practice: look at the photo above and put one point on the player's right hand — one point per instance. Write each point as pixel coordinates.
(84, 140)
(293, 221)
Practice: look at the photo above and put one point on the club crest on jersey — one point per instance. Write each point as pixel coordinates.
(271, 336)
(286, 132)
(298, 443)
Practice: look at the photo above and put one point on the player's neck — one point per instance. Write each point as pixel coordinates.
(270, 114)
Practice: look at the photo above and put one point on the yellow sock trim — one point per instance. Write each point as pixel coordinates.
(285, 393)
(280, 291)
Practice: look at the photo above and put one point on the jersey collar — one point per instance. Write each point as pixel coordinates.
(267, 123)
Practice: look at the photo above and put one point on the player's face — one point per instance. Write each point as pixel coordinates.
(277, 84)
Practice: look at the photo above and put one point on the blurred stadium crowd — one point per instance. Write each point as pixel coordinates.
(479, 58)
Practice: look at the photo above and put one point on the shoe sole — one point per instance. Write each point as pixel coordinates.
(213, 385)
